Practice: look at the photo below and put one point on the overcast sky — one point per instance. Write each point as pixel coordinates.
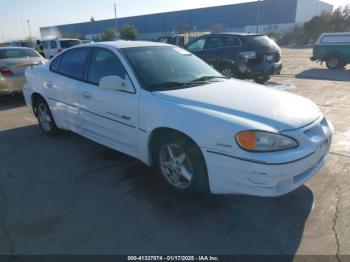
(15, 13)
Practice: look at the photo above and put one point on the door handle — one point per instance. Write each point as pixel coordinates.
(86, 95)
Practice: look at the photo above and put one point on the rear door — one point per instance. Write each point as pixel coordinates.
(62, 88)
(213, 49)
(109, 117)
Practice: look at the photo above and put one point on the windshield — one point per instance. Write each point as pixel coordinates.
(258, 41)
(69, 43)
(167, 67)
(17, 53)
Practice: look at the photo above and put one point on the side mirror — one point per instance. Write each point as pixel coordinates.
(116, 83)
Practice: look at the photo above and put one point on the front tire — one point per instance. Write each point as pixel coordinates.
(45, 118)
(262, 79)
(228, 71)
(181, 165)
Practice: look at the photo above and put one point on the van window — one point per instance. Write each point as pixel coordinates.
(53, 44)
(45, 44)
(336, 39)
(73, 63)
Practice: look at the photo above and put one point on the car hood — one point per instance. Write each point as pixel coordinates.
(279, 109)
(19, 65)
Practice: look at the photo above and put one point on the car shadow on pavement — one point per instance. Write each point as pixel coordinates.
(227, 225)
(325, 74)
(78, 197)
(11, 102)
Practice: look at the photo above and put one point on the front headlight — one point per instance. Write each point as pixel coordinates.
(261, 141)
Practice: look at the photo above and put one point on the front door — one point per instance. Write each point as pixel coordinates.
(107, 116)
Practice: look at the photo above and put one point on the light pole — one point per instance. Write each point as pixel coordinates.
(258, 17)
(116, 19)
(30, 30)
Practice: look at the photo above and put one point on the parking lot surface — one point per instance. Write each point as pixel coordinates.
(67, 195)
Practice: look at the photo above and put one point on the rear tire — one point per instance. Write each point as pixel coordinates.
(334, 61)
(45, 118)
(180, 164)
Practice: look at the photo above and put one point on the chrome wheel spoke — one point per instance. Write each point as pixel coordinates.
(176, 167)
(186, 174)
(171, 153)
(181, 159)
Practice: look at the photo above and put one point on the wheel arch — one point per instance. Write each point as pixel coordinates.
(164, 131)
(34, 99)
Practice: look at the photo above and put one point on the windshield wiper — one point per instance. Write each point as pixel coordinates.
(172, 85)
(206, 78)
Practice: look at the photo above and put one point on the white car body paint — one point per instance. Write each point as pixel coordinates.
(211, 115)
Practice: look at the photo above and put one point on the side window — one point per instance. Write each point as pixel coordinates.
(45, 44)
(197, 45)
(53, 44)
(104, 63)
(55, 64)
(73, 63)
(215, 43)
(233, 41)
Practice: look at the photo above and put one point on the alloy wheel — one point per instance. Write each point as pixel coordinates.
(176, 166)
(44, 117)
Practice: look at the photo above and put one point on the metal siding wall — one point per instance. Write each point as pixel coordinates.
(230, 16)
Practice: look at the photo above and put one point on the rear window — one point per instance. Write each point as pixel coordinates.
(69, 43)
(17, 53)
(257, 41)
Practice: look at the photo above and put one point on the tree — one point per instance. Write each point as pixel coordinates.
(129, 32)
(109, 34)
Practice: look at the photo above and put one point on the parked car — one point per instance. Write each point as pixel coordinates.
(56, 46)
(334, 49)
(180, 40)
(168, 108)
(239, 55)
(13, 62)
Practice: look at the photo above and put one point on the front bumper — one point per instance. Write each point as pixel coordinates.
(13, 84)
(229, 174)
(252, 70)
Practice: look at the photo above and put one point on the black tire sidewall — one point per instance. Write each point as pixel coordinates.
(200, 182)
(262, 80)
(54, 129)
(339, 59)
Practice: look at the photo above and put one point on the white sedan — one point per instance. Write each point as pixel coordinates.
(168, 108)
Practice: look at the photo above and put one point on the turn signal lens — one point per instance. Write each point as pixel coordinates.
(261, 141)
(247, 140)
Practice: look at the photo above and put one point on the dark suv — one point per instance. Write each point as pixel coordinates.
(239, 55)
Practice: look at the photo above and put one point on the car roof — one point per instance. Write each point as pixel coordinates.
(336, 34)
(120, 44)
(15, 47)
(236, 34)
